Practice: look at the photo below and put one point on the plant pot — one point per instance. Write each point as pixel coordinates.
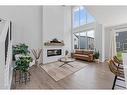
(97, 60)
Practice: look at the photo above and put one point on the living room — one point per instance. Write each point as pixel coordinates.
(81, 35)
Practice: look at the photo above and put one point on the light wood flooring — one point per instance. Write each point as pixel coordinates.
(93, 76)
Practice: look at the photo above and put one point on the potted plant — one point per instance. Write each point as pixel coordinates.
(23, 62)
(20, 49)
(22, 65)
(96, 56)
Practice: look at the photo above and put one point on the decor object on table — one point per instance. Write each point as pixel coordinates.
(66, 61)
(20, 49)
(36, 54)
(66, 52)
(96, 56)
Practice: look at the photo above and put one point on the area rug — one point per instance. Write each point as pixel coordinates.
(58, 73)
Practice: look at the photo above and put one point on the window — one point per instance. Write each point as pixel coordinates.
(82, 39)
(81, 17)
(121, 43)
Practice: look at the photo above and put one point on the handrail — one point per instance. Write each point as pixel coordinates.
(4, 31)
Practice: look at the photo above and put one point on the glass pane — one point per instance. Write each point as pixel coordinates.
(125, 46)
(90, 18)
(121, 43)
(76, 40)
(90, 33)
(76, 17)
(82, 16)
(90, 40)
(83, 40)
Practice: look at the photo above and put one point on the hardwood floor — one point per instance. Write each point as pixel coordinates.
(93, 76)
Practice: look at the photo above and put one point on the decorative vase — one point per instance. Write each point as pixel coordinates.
(97, 60)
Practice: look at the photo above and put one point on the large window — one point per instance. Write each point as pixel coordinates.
(82, 39)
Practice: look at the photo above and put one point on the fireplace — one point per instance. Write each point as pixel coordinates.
(54, 52)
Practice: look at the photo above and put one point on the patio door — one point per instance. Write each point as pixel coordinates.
(121, 43)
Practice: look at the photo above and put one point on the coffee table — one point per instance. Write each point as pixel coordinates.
(66, 61)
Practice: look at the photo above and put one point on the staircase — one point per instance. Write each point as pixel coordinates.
(6, 69)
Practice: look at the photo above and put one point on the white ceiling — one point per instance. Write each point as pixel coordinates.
(109, 15)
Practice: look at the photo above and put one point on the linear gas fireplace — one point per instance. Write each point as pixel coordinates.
(54, 52)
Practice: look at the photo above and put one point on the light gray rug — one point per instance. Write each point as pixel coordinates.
(58, 73)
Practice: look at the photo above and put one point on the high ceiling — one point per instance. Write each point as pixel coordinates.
(109, 15)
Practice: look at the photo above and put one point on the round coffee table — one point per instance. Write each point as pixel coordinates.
(66, 61)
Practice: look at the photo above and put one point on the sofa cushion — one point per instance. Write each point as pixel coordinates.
(79, 52)
(80, 55)
(87, 52)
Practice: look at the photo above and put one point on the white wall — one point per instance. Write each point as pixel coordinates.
(109, 15)
(67, 28)
(99, 40)
(107, 42)
(56, 24)
(2, 65)
(53, 23)
(26, 23)
(53, 27)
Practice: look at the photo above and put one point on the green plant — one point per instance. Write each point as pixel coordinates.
(96, 55)
(20, 49)
(23, 62)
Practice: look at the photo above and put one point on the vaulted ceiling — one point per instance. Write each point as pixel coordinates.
(109, 15)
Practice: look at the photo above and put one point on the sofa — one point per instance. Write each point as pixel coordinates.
(84, 55)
